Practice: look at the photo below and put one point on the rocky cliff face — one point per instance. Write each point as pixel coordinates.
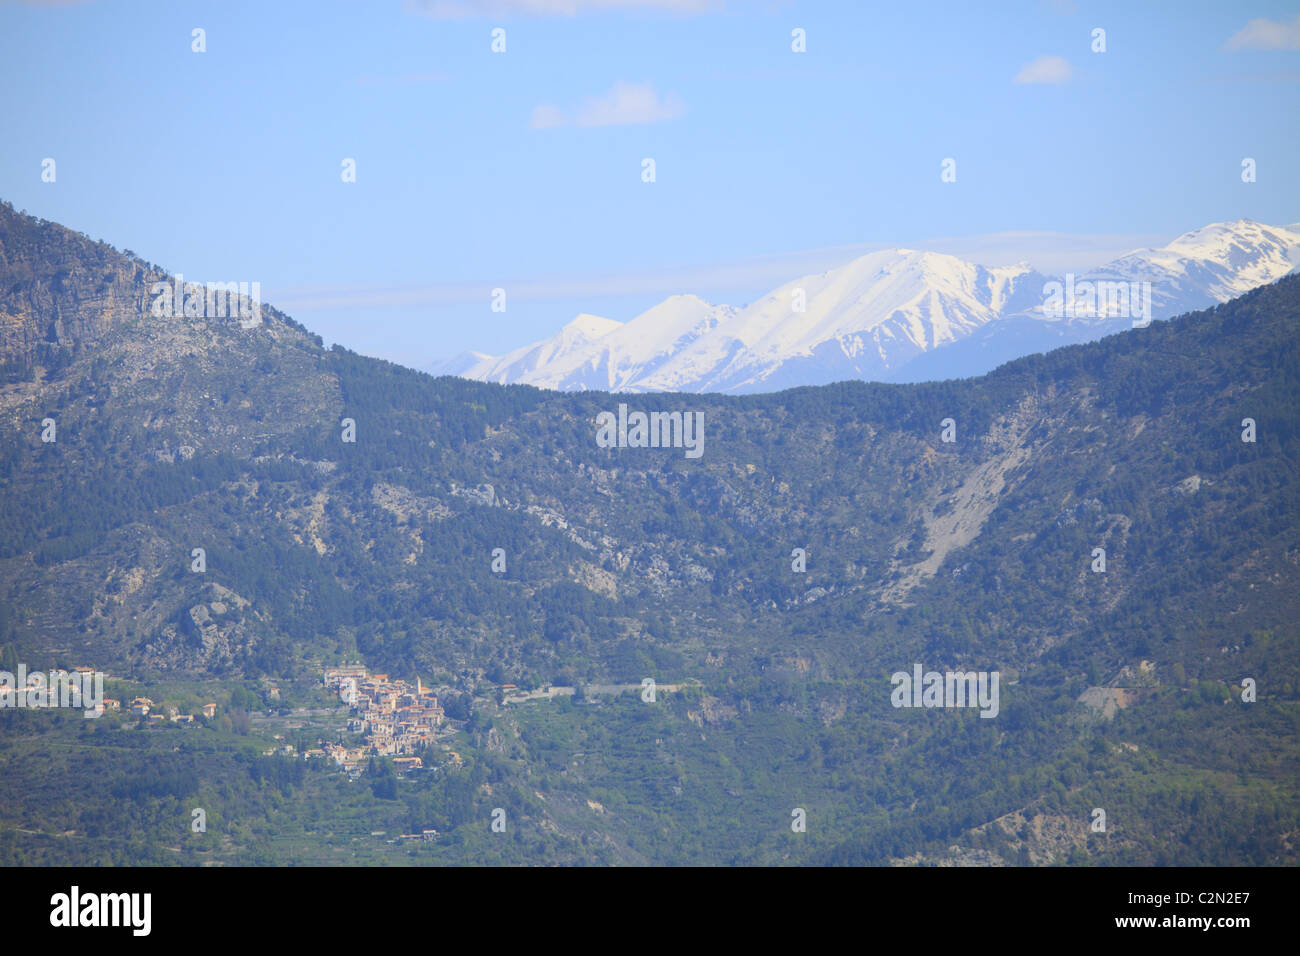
(72, 309)
(138, 402)
(61, 289)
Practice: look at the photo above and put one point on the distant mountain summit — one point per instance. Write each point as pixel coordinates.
(1212, 264)
(531, 359)
(898, 315)
(863, 320)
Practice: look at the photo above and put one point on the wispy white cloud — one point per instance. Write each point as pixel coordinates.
(625, 105)
(547, 117)
(1262, 34)
(1046, 69)
(1049, 252)
(500, 9)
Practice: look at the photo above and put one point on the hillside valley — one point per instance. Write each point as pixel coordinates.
(828, 537)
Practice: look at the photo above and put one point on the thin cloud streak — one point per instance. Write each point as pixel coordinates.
(1264, 34)
(1048, 252)
(1046, 69)
(627, 104)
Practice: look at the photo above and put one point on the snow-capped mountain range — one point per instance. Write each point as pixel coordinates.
(897, 315)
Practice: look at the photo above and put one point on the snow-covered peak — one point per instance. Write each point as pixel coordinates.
(516, 366)
(635, 349)
(1216, 236)
(467, 365)
(882, 315)
(860, 319)
(1212, 264)
(588, 327)
(664, 322)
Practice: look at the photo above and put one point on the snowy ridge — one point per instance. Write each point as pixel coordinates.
(860, 320)
(894, 315)
(1212, 264)
(519, 365)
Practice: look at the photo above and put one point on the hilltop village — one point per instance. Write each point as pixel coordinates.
(396, 718)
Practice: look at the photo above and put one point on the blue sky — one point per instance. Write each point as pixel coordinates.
(523, 169)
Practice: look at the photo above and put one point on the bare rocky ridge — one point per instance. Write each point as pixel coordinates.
(957, 520)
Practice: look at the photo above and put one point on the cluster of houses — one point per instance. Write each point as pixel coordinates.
(83, 687)
(63, 688)
(144, 707)
(395, 717)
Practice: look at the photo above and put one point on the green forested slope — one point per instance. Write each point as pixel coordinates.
(627, 563)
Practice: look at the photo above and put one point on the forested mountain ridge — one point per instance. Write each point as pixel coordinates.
(620, 563)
